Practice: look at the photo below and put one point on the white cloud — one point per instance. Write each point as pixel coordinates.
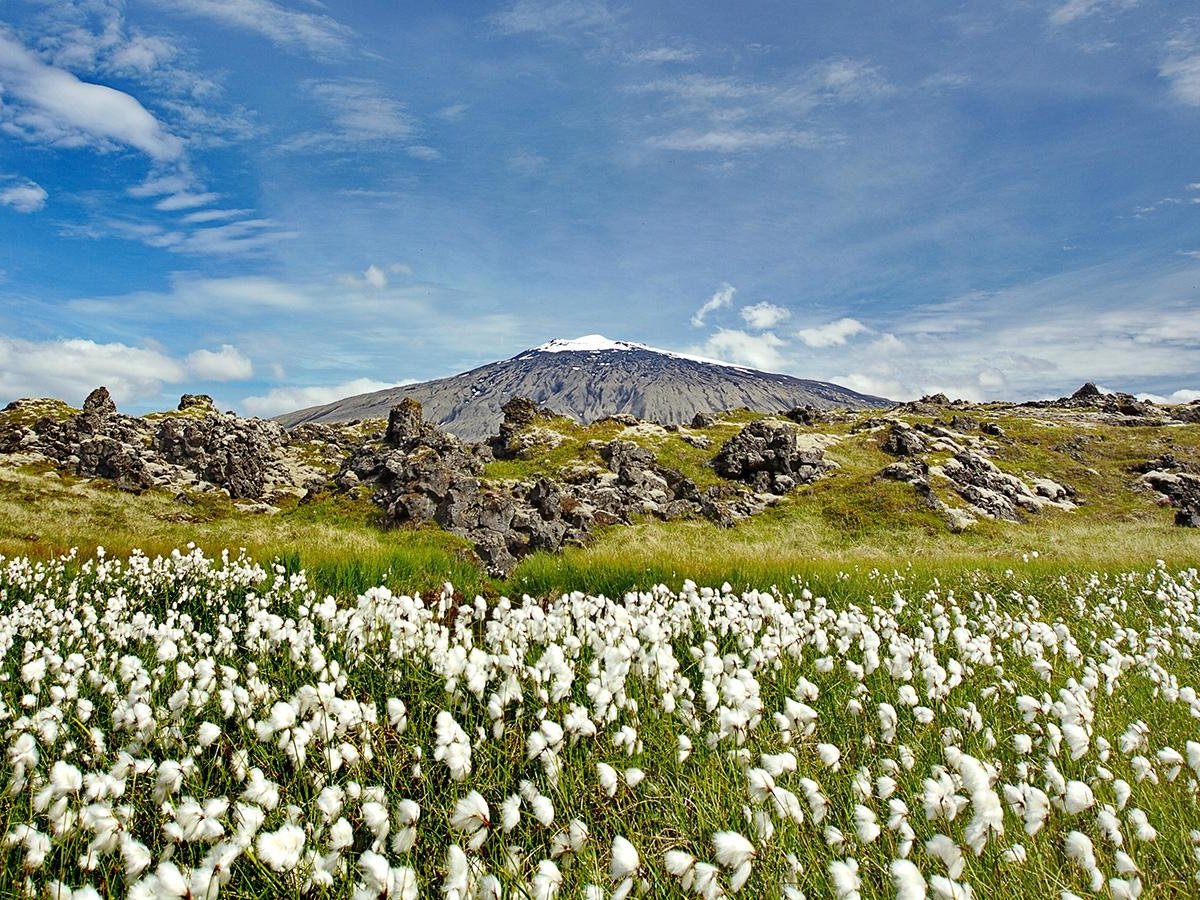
(735, 114)
(453, 113)
(288, 399)
(526, 162)
(316, 33)
(70, 369)
(664, 55)
(247, 236)
(373, 277)
(185, 200)
(735, 140)
(762, 316)
(555, 18)
(212, 215)
(831, 334)
(362, 115)
(26, 197)
(849, 81)
(720, 299)
(1183, 74)
(759, 351)
(1184, 395)
(57, 108)
(226, 364)
(1072, 10)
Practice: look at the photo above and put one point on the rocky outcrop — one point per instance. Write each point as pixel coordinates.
(998, 494)
(520, 433)
(904, 441)
(1119, 408)
(197, 446)
(1177, 483)
(422, 475)
(770, 456)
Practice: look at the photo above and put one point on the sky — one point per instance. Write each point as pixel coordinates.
(285, 202)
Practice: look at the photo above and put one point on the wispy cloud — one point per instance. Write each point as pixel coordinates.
(728, 114)
(361, 114)
(718, 300)
(55, 107)
(1182, 72)
(24, 197)
(663, 54)
(555, 18)
(1073, 10)
(314, 33)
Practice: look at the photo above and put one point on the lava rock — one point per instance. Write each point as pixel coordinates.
(769, 456)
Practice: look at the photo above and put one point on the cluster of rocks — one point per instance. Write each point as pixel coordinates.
(1120, 408)
(988, 490)
(195, 447)
(423, 475)
(1178, 483)
(770, 457)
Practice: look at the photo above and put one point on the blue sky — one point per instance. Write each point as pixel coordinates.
(281, 203)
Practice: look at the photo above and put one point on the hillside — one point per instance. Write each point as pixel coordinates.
(1094, 479)
(587, 379)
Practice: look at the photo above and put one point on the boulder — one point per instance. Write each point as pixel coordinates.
(904, 441)
(405, 422)
(197, 403)
(769, 456)
(1181, 489)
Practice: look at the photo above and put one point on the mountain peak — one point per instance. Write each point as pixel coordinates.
(586, 344)
(594, 343)
(587, 378)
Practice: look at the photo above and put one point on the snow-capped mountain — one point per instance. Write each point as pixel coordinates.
(588, 378)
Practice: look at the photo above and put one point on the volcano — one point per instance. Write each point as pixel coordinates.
(589, 378)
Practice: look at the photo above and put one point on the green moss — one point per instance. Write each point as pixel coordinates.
(28, 412)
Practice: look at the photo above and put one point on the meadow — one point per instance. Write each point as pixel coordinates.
(194, 726)
(839, 697)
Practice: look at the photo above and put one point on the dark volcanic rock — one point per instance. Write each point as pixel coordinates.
(404, 422)
(903, 440)
(429, 476)
(1179, 488)
(996, 493)
(197, 445)
(769, 456)
(514, 438)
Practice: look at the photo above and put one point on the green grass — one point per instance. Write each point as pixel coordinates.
(851, 519)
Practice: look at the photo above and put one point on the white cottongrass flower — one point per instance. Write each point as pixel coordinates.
(844, 875)
(623, 866)
(281, 849)
(1079, 850)
(472, 816)
(736, 853)
(907, 879)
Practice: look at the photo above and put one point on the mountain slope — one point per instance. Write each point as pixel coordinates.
(589, 378)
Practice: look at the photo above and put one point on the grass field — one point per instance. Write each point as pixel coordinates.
(839, 697)
(190, 727)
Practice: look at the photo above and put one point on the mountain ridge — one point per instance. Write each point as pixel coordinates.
(588, 378)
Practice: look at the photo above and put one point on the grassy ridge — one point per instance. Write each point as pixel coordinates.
(852, 519)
